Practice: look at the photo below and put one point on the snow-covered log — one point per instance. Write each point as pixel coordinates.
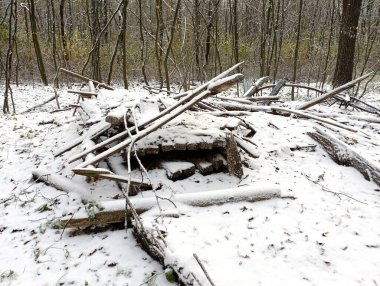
(229, 106)
(114, 211)
(343, 154)
(248, 147)
(224, 83)
(264, 98)
(308, 115)
(255, 86)
(61, 183)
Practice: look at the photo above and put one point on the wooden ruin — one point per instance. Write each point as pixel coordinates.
(201, 131)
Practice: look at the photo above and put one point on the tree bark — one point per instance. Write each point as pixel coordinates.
(347, 38)
(37, 49)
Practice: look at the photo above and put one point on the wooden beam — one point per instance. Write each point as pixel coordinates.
(114, 211)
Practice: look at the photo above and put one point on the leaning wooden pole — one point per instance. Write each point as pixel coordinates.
(333, 92)
(84, 78)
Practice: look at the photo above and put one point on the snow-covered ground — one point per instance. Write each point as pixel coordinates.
(328, 235)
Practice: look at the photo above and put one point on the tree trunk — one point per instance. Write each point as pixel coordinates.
(37, 49)
(347, 38)
(297, 45)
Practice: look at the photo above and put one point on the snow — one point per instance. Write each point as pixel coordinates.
(328, 235)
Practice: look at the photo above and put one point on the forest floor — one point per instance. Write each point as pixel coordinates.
(328, 235)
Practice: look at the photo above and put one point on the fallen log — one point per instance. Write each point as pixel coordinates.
(84, 78)
(61, 183)
(159, 123)
(247, 146)
(256, 86)
(122, 179)
(166, 111)
(307, 115)
(333, 92)
(41, 104)
(369, 119)
(264, 98)
(114, 211)
(241, 107)
(344, 155)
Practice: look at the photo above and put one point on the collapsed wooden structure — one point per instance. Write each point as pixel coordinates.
(195, 132)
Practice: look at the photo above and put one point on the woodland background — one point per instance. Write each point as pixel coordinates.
(173, 41)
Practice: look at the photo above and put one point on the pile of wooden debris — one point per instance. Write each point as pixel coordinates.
(196, 131)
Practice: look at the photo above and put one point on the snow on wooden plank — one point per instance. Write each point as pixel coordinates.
(114, 211)
(61, 183)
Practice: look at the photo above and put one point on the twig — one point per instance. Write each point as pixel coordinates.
(203, 268)
(325, 189)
